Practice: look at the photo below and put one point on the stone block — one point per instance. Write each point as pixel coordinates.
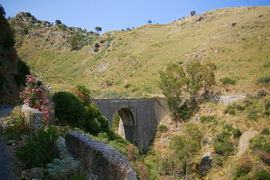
(33, 118)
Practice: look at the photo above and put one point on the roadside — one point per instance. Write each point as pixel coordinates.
(6, 165)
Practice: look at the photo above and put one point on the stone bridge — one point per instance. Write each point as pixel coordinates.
(140, 117)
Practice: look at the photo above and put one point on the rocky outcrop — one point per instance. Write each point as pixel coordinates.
(98, 158)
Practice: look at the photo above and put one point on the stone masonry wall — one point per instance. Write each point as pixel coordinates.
(98, 158)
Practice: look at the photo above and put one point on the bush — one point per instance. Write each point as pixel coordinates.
(17, 127)
(264, 80)
(39, 148)
(64, 166)
(223, 144)
(69, 109)
(77, 113)
(115, 122)
(227, 81)
(162, 128)
(127, 86)
(257, 143)
(233, 108)
(218, 159)
(253, 115)
(236, 133)
(97, 45)
(207, 119)
(265, 131)
(57, 22)
(228, 127)
(262, 93)
(23, 71)
(262, 175)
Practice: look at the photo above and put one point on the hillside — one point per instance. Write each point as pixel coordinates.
(126, 63)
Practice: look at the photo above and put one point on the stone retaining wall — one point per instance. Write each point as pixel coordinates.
(97, 158)
(33, 118)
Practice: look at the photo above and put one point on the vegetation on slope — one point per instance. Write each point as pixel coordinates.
(126, 63)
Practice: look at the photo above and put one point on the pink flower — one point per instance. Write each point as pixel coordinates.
(26, 101)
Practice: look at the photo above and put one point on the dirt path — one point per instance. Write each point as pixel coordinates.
(244, 141)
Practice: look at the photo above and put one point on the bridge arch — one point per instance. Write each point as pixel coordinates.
(140, 117)
(127, 124)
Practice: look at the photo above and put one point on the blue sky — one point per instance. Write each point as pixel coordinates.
(117, 14)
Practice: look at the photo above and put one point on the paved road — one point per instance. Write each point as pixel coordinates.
(5, 109)
(5, 160)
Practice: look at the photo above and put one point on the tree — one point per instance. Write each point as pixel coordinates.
(57, 22)
(192, 13)
(149, 22)
(179, 81)
(2, 11)
(184, 148)
(74, 41)
(98, 29)
(173, 83)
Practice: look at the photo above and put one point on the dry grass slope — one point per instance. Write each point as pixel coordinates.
(128, 63)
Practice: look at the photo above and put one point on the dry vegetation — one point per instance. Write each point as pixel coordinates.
(127, 63)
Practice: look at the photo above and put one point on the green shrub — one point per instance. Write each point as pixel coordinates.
(102, 41)
(83, 94)
(266, 65)
(23, 70)
(265, 131)
(77, 113)
(95, 122)
(163, 128)
(228, 127)
(207, 119)
(39, 148)
(265, 80)
(262, 175)
(223, 144)
(260, 143)
(183, 112)
(69, 109)
(127, 86)
(115, 122)
(233, 108)
(193, 131)
(218, 159)
(236, 133)
(253, 115)
(228, 81)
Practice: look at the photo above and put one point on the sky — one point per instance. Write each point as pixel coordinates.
(117, 14)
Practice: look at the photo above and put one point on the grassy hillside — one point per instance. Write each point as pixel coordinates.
(127, 63)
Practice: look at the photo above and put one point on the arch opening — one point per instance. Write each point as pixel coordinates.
(123, 124)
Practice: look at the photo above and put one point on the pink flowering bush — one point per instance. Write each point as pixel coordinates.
(35, 96)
